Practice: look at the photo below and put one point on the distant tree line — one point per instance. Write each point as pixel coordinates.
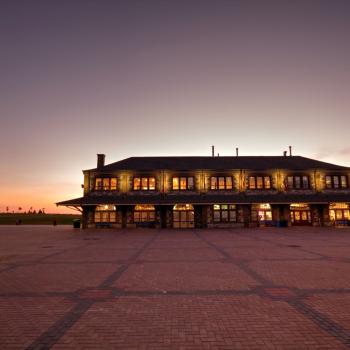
(19, 210)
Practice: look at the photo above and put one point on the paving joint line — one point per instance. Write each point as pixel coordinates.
(56, 331)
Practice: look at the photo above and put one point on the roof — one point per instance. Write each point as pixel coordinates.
(219, 163)
(208, 199)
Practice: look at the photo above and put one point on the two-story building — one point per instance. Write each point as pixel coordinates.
(188, 192)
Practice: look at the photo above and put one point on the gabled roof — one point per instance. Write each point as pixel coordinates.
(219, 163)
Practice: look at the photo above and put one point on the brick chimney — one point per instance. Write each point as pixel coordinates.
(100, 161)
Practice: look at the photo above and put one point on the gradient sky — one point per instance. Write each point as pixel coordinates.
(168, 77)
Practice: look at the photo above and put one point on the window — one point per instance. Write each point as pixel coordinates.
(144, 213)
(105, 213)
(144, 183)
(259, 182)
(183, 183)
(105, 183)
(298, 182)
(224, 213)
(336, 181)
(221, 183)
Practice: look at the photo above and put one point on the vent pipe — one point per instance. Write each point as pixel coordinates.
(218, 155)
(236, 151)
(212, 151)
(285, 153)
(100, 161)
(290, 151)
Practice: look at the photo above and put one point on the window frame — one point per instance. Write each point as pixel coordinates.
(99, 211)
(227, 211)
(293, 183)
(109, 186)
(264, 182)
(217, 185)
(336, 182)
(179, 179)
(141, 186)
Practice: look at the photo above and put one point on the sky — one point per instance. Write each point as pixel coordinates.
(167, 77)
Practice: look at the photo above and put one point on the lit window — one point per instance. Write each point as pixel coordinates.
(144, 213)
(221, 183)
(105, 184)
(152, 183)
(267, 182)
(259, 182)
(297, 183)
(113, 183)
(98, 184)
(137, 183)
(328, 182)
(175, 183)
(144, 183)
(183, 183)
(105, 213)
(252, 183)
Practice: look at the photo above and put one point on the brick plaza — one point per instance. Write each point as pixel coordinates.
(267, 288)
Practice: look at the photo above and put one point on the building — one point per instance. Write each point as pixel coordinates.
(188, 192)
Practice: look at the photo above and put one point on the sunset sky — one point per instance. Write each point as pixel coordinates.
(167, 77)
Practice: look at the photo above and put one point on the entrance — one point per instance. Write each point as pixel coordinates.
(262, 214)
(300, 214)
(339, 213)
(183, 216)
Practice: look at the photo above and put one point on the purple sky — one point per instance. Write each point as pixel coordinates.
(167, 77)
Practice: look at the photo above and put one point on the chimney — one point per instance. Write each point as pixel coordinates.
(212, 151)
(285, 153)
(290, 151)
(236, 151)
(100, 161)
(218, 154)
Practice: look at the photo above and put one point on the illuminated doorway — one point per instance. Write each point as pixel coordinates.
(262, 213)
(339, 213)
(300, 214)
(144, 213)
(183, 216)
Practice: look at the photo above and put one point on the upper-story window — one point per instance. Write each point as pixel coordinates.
(298, 182)
(105, 183)
(259, 182)
(221, 183)
(183, 183)
(336, 181)
(144, 183)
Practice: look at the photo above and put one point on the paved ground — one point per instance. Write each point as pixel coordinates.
(172, 289)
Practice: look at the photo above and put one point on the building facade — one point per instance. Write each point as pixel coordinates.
(204, 192)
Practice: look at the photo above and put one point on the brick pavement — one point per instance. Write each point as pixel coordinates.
(174, 289)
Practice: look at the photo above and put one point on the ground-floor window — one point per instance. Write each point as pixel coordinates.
(339, 212)
(183, 216)
(261, 212)
(105, 213)
(224, 213)
(300, 214)
(144, 213)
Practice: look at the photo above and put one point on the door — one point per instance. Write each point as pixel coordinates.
(301, 217)
(183, 219)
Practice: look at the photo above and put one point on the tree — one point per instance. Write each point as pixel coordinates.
(7, 209)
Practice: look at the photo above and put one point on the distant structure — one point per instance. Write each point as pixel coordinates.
(188, 192)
